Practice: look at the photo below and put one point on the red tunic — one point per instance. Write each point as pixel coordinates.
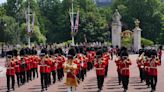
(43, 67)
(100, 69)
(93, 54)
(106, 58)
(147, 66)
(77, 62)
(59, 61)
(125, 68)
(49, 64)
(140, 64)
(27, 61)
(153, 67)
(35, 61)
(118, 64)
(85, 61)
(10, 69)
(17, 67)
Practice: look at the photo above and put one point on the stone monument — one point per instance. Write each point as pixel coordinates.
(137, 36)
(116, 29)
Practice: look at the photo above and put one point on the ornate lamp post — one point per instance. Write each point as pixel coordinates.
(28, 21)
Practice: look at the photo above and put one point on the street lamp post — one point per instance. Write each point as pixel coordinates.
(2, 26)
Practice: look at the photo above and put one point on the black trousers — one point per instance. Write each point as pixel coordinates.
(23, 77)
(43, 78)
(78, 76)
(35, 72)
(106, 71)
(153, 82)
(100, 81)
(18, 78)
(12, 79)
(125, 81)
(54, 76)
(59, 74)
(119, 77)
(62, 72)
(82, 74)
(85, 71)
(90, 65)
(48, 79)
(147, 78)
(141, 70)
(28, 75)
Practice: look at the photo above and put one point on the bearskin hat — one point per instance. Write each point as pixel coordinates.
(99, 53)
(44, 50)
(9, 53)
(72, 51)
(51, 52)
(141, 51)
(153, 52)
(15, 52)
(22, 52)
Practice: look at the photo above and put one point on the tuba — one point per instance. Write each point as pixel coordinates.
(141, 56)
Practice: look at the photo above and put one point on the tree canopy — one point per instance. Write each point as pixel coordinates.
(52, 20)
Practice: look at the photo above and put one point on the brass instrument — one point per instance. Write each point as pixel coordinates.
(141, 56)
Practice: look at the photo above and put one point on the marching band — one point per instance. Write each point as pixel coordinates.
(75, 64)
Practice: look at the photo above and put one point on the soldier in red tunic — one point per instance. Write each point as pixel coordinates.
(154, 62)
(17, 70)
(160, 53)
(106, 57)
(147, 67)
(140, 63)
(100, 69)
(35, 65)
(54, 68)
(85, 64)
(49, 64)
(77, 71)
(28, 68)
(43, 72)
(125, 72)
(10, 73)
(118, 64)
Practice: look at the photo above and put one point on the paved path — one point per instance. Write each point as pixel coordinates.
(90, 83)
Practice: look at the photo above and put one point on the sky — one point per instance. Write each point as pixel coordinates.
(2, 1)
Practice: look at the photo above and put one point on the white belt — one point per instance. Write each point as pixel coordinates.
(153, 67)
(124, 68)
(43, 65)
(17, 66)
(10, 67)
(99, 68)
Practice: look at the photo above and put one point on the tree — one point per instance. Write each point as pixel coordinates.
(8, 33)
(2, 10)
(36, 35)
(92, 23)
(146, 42)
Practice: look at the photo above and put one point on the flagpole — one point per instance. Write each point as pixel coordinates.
(28, 25)
(72, 29)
